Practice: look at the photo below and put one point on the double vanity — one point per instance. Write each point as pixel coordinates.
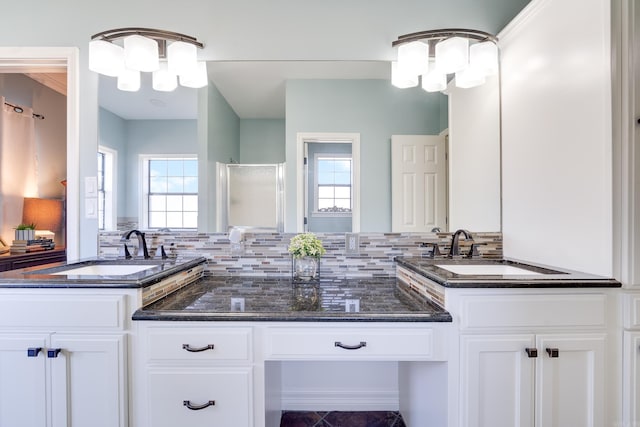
(153, 343)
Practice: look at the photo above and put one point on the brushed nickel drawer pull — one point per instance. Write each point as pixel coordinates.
(350, 347)
(193, 407)
(197, 350)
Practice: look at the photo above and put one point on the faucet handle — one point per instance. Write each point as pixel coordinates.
(473, 252)
(435, 249)
(160, 252)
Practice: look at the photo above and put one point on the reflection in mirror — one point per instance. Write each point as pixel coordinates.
(252, 111)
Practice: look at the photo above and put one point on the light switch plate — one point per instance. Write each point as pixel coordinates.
(91, 208)
(91, 186)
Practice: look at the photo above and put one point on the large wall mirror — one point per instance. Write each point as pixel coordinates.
(253, 112)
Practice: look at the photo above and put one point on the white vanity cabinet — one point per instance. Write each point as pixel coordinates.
(63, 358)
(631, 359)
(194, 374)
(535, 358)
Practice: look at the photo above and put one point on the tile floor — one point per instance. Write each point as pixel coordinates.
(341, 419)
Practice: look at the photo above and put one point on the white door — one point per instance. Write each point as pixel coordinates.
(496, 381)
(570, 380)
(88, 385)
(23, 388)
(418, 183)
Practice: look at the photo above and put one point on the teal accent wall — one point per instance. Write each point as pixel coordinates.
(113, 134)
(376, 110)
(262, 141)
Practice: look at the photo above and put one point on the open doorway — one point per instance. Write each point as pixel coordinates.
(40, 62)
(328, 198)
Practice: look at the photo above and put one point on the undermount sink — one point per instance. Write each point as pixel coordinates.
(104, 270)
(487, 270)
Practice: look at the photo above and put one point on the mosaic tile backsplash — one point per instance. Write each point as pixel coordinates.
(265, 254)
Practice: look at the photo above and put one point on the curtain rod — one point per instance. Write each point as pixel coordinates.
(19, 109)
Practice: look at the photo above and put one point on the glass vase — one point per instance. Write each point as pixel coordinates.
(305, 268)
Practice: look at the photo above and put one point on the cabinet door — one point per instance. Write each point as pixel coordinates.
(631, 379)
(570, 380)
(88, 386)
(23, 388)
(200, 397)
(496, 381)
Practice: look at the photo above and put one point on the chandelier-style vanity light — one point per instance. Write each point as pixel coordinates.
(145, 50)
(431, 55)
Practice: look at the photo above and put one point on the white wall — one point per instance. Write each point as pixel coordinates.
(474, 157)
(557, 144)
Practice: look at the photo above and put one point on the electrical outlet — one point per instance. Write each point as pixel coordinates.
(352, 305)
(352, 243)
(237, 304)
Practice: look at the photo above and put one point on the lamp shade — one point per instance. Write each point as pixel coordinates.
(434, 81)
(106, 58)
(413, 58)
(452, 54)
(163, 79)
(196, 79)
(129, 80)
(182, 58)
(141, 53)
(469, 77)
(484, 56)
(400, 78)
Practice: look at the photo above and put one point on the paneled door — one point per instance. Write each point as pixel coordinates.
(418, 183)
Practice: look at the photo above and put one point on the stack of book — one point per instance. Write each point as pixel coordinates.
(26, 246)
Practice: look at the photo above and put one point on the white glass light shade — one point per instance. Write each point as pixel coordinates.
(400, 78)
(413, 58)
(484, 56)
(452, 54)
(106, 58)
(163, 79)
(434, 81)
(129, 80)
(196, 79)
(141, 53)
(182, 57)
(469, 77)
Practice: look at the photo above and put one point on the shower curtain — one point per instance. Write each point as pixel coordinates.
(18, 166)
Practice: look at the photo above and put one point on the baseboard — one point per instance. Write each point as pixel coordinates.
(340, 400)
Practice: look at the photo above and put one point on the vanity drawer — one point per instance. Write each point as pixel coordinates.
(532, 310)
(63, 311)
(172, 391)
(333, 343)
(186, 343)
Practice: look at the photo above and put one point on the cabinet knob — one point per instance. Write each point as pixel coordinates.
(33, 352)
(350, 347)
(197, 349)
(553, 352)
(53, 352)
(193, 407)
(531, 352)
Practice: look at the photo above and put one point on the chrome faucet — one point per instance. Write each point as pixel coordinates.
(142, 243)
(454, 250)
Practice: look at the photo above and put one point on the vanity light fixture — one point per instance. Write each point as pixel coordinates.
(471, 55)
(169, 56)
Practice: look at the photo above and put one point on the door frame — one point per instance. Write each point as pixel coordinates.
(42, 59)
(327, 137)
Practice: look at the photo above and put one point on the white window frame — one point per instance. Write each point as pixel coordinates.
(316, 212)
(143, 206)
(110, 187)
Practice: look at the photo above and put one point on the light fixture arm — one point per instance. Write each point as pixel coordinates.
(443, 34)
(111, 35)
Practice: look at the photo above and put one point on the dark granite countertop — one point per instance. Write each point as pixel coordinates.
(53, 275)
(277, 299)
(540, 276)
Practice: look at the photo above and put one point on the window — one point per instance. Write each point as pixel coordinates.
(106, 188)
(333, 183)
(172, 196)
